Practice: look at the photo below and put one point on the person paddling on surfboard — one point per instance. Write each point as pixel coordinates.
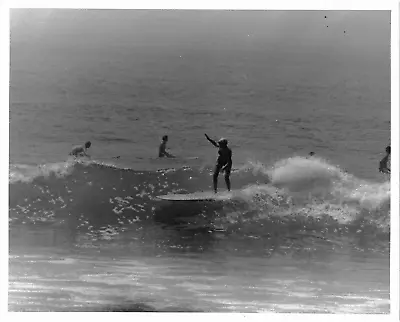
(224, 162)
(81, 150)
(383, 164)
(162, 149)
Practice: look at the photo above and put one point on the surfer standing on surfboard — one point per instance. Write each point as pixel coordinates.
(224, 162)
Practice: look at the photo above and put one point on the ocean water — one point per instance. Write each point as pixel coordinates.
(299, 235)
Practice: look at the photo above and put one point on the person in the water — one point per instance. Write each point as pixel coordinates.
(81, 150)
(383, 164)
(224, 162)
(310, 155)
(162, 149)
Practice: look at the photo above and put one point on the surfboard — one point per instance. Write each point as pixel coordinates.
(198, 196)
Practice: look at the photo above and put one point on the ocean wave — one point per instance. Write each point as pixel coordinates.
(305, 194)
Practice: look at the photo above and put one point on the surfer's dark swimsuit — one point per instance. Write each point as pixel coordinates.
(224, 159)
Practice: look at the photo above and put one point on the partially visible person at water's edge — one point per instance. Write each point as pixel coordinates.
(224, 162)
(383, 164)
(81, 150)
(162, 149)
(311, 154)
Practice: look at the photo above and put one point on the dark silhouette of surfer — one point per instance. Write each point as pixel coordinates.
(162, 150)
(224, 161)
(383, 164)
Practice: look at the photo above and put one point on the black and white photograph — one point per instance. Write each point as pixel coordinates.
(198, 160)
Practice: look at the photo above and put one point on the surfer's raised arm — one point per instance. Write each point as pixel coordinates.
(212, 141)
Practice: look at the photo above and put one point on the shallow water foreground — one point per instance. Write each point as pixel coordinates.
(212, 274)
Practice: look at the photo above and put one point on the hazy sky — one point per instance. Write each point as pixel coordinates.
(366, 28)
(350, 36)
